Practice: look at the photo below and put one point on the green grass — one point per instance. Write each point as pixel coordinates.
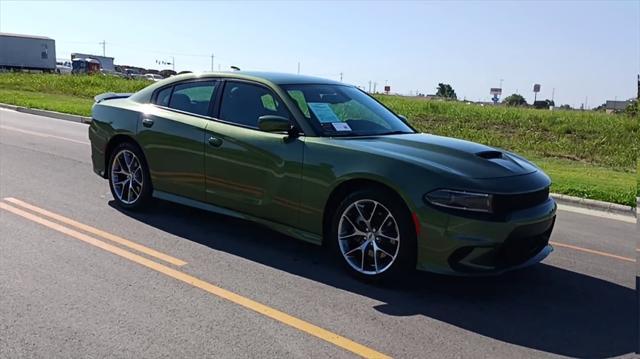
(586, 154)
(52, 102)
(589, 181)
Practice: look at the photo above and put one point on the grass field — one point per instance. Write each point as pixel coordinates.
(587, 154)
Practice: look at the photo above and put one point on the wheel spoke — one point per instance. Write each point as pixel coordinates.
(375, 206)
(361, 215)
(355, 228)
(120, 182)
(385, 252)
(353, 250)
(375, 256)
(387, 237)
(362, 250)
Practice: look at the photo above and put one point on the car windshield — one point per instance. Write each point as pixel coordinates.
(340, 110)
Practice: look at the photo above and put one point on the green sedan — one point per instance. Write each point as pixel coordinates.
(326, 163)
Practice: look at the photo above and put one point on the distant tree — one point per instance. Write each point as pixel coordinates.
(600, 108)
(565, 107)
(446, 91)
(515, 100)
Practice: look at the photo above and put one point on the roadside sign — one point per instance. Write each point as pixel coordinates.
(387, 89)
(495, 91)
(536, 88)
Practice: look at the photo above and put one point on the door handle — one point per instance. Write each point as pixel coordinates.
(215, 141)
(147, 122)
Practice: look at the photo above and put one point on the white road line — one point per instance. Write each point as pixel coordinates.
(601, 214)
(43, 135)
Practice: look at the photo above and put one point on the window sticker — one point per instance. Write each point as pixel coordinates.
(341, 126)
(323, 112)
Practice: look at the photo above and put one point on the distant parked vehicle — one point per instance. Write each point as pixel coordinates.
(87, 66)
(153, 77)
(64, 67)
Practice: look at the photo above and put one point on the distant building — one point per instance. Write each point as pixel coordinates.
(106, 63)
(616, 106)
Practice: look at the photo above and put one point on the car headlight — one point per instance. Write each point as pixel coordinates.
(468, 201)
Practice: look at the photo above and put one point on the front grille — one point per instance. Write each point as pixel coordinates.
(505, 203)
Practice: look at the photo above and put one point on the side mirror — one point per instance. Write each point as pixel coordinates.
(273, 123)
(404, 119)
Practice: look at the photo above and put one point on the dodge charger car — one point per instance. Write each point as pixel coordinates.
(326, 163)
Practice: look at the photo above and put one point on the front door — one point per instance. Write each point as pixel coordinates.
(249, 170)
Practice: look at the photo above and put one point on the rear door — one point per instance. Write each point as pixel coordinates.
(249, 170)
(171, 134)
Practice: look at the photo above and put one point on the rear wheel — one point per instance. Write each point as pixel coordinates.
(372, 234)
(129, 177)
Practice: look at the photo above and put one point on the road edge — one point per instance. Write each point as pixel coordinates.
(46, 113)
(560, 198)
(594, 204)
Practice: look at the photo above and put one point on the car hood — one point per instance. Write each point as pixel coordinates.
(458, 157)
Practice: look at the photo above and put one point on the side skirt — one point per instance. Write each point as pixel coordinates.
(284, 229)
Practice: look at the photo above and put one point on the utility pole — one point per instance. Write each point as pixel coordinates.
(298, 67)
(104, 47)
(553, 93)
(374, 87)
(369, 86)
(173, 63)
(212, 57)
(586, 102)
(501, 83)
(341, 77)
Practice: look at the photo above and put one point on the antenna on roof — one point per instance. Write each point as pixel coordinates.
(235, 68)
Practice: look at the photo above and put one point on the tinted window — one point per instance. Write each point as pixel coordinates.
(244, 103)
(163, 97)
(193, 97)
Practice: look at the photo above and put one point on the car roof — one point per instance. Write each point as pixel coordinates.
(277, 78)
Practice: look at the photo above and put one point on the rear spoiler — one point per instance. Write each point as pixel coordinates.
(111, 96)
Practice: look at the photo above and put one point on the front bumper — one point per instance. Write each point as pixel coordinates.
(451, 244)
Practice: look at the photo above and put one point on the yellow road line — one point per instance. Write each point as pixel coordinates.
(100, 233)
(33, 133)
(592, 251)
(257, 307)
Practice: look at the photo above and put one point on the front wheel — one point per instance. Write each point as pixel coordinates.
(129, 178)
(373, 235)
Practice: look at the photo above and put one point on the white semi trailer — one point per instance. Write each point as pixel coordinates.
(27, 52)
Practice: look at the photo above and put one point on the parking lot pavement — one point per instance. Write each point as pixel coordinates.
(80, 278)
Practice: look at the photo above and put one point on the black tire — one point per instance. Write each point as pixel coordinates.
(145, 189)
(405, 259)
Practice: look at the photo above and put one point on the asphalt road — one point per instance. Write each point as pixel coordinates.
(68, 290)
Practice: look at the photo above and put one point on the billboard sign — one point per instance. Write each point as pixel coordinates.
(495, 91)
(536, 88)
(387, 89)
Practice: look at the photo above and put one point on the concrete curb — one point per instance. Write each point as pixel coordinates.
(594, 205)
(45, 113)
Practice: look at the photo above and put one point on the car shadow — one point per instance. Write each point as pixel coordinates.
(543, 307)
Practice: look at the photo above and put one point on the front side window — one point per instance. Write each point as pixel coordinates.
(192, 97)
(345, 110)
(244, 103)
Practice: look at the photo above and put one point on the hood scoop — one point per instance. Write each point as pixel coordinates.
(489, 155)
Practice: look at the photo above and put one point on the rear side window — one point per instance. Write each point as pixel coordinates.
(163, 97)
(193, 97)
(244, 103)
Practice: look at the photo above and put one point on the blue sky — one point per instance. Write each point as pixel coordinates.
(582, 49)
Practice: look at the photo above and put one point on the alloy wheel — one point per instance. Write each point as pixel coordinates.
(368, 237)
(126, 176)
